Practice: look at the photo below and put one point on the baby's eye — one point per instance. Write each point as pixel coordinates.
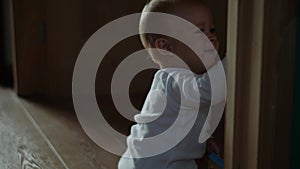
(212, 30)
(200, 30)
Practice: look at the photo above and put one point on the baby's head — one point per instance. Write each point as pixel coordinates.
(196, 12)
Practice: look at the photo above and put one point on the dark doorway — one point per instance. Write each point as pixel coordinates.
(6, 75)
(296, 116)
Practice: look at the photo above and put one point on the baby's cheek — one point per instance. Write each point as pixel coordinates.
(216, 45)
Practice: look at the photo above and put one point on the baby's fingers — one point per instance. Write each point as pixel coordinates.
(212, 146)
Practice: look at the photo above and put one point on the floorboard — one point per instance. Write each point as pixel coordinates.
(21, 145)
(40, 135)
(70, 141)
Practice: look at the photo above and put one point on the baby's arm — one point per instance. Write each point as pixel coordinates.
(200, 85)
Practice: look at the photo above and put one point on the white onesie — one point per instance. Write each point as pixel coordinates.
(174, 92)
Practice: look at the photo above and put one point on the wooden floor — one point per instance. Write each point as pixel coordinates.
(41, 136)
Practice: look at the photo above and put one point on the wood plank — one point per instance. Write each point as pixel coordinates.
(28, 46)
(246, 29)
(249, 66)
(261, 37)
(63, 23)
(230, 122)
(13, 43)
(277, 84)
(65, 133)
(21, 145)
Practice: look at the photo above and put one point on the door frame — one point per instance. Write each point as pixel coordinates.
(260, 83)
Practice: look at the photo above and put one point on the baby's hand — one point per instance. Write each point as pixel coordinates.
(212, 146)
(204, 162)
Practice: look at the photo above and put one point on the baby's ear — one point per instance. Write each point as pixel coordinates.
(163, 46)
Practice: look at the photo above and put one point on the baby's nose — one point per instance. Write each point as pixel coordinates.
(213, 40)
(211, 37)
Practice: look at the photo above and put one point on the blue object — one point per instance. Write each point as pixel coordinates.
(216, 159)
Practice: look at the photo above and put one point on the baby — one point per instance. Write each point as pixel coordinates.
(173, 91)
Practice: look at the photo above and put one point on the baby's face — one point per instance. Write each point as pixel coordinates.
(201, 16)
